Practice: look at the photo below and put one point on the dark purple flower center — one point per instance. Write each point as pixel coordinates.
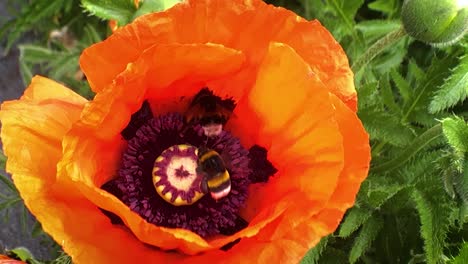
(154, 159)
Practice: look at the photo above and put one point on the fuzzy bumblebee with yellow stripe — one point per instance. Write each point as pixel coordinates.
(212, 168)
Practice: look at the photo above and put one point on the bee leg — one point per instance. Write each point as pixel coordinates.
(204, 185)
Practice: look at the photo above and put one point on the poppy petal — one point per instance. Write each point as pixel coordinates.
(357, 160)
(189, 22)
(163, 72)
(33, 127)
(294, 120)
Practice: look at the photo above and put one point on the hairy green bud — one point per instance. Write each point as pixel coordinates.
(436, 22)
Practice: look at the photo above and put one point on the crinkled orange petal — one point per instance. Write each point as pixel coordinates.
(356, 165)
(155, 76)
(291, 115)
(224, 22)
(33, 127)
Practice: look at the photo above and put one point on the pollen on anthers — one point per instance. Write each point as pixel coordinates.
(175, 175)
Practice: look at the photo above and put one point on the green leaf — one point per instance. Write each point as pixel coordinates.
(91, 35)
(418, 144)
(25, 71)
(36, 229)
(462, 257)
(386, 127)
(453, 90)
(355, 217)
(149, 6)
(63, 258)
(313, 256)
(366, 236)
(66, 64)
(29, 16)
(456, 132)
(346, 11)
(3, 160)
(21, 253)
(384, 6)
(9, 203)
(8, 183)
(434, 213)
(387, 95)
(120, 10)
(403, 86)
(35, 54)
(460, 181)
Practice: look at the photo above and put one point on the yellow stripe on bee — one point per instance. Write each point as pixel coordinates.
(208, 155)
(218, 180)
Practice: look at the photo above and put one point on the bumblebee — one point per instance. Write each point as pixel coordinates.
(210, 111)
(216, 179)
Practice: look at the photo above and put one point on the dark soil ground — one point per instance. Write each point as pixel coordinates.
(13, 233)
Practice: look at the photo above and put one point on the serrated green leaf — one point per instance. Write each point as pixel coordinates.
(423, 140)
(453, 90)
(386, 127)
(30, 15)
(149, 6)
(462, 257)
(402, 85)
(425, 88)
(366, 236)
(355, 217)
(456, 132)
(313, 256)
(460, 181)
(415, 73)
(387, 95)
(120, 10)
(434, 213)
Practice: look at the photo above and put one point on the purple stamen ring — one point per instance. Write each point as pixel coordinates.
(175, 177)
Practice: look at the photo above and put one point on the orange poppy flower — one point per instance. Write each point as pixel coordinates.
(297, 152)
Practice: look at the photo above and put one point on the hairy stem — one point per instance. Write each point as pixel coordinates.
(419, 143)
(377, 48)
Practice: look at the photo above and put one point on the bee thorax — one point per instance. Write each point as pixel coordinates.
(212, 130)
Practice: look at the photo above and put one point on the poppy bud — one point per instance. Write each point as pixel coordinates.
(435, 22)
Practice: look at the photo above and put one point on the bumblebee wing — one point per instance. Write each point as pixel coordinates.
(194, 113)
(204, 183)
(227, 160)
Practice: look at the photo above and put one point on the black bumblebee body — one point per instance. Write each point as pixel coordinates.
(210, 111)
(216, 179)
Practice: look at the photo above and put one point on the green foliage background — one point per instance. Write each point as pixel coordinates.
(413, 206)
